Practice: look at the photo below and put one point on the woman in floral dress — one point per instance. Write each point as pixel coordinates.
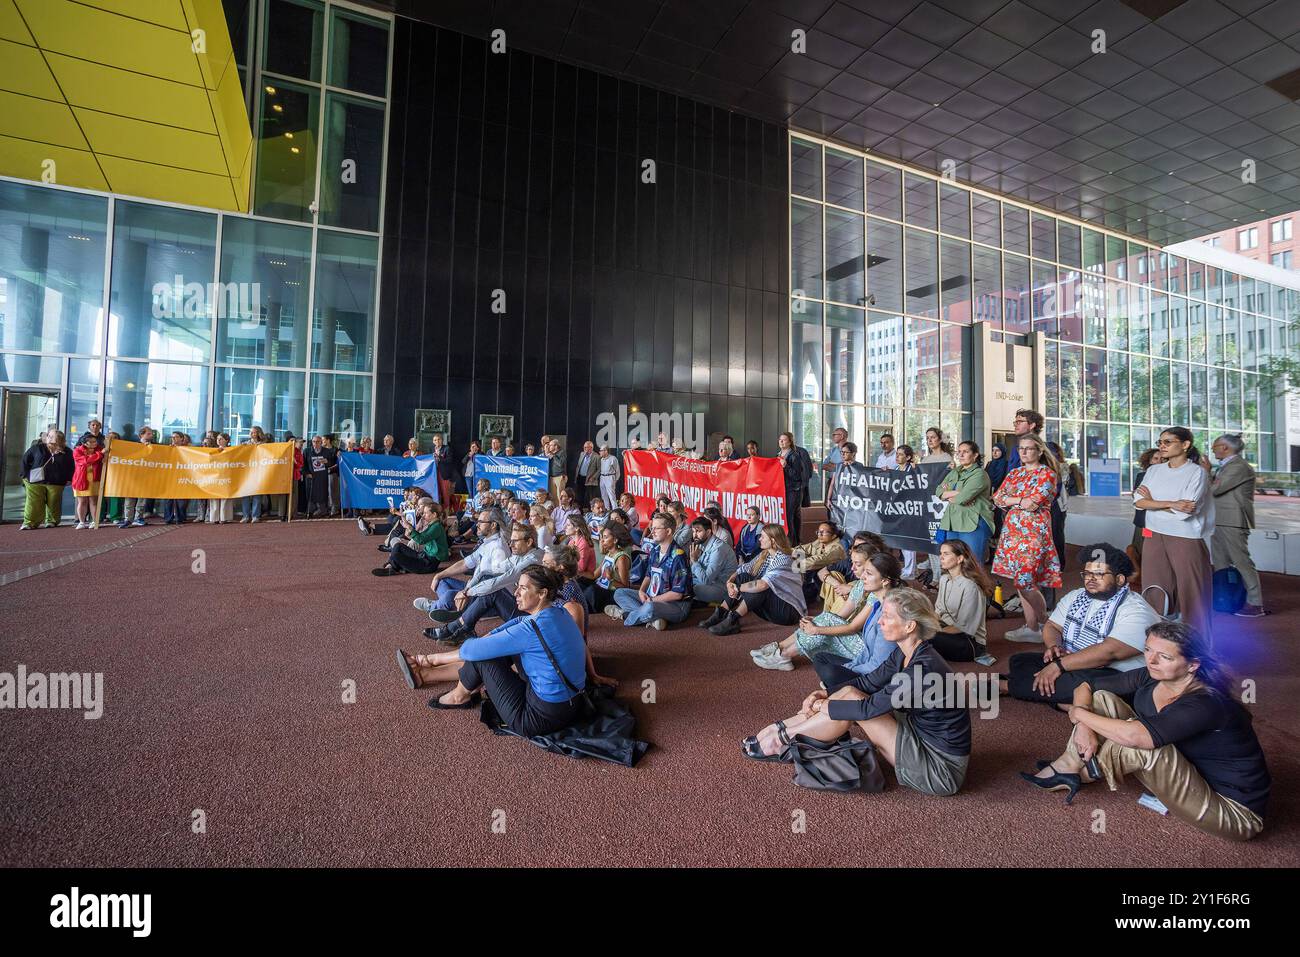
(1025, 553)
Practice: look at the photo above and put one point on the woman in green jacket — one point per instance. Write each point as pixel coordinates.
(425, 550)
(966, 489)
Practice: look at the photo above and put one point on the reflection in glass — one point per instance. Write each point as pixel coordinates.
(276, 259)
(806, 349)
(286, 151)
(806, 248)
(922, 274)
(986, 282)
(1070, 250)
(954, 346)
(954, 211)
(1139, 319)
(294, 38)
(885, 264)
(885, 351)
(160, 306)
(1117, 387)
(358, 53)
(339, 404)
(1094, 251)
(51, 269)
(1161, 393)
(843, 179)
(845, 269)
(342, 331)
(922, 201)
(1015, 228)
(1199, 398)
(1179, 384)
(955, 281)
(1140, 389)
(165, 396)
(1042, 236)
(805, 419)
(1195, 332)
(845, 354)
(921, 381)
(1017, 301)
(82, 396)
(1094, 310)
(1094, 383)
(1043, 298)
(884, 191)
(805, 168)
(263, 397)
(353, 163)
(986, 217)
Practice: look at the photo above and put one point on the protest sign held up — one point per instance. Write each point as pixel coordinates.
(899, 506)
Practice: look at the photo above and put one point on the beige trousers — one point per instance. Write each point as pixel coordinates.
(1171, 778)
(1232, 551)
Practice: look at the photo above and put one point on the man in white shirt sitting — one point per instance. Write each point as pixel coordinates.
(491, 554)
(491, 595)
(1096, 630)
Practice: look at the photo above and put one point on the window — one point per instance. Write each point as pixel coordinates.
(358, 53)
(1281, 260)
(274, 262)
(342, 332)
(286, 151)
(1247, 238)
(352, 168)
(805, 168)
(262, 397)
(339, 404)
(1280, 230)
(1214, 241)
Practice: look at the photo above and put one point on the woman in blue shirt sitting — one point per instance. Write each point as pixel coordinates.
(535, 699)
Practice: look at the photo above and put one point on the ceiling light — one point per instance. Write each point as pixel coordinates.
(271, 90)
(288, 136)
(277, 107)
(294, 149)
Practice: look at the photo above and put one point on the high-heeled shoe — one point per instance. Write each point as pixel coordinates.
(1057, 782)
(1094, 769)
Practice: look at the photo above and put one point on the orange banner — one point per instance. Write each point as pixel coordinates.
(136, 470)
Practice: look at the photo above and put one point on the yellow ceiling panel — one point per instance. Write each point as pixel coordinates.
(27, 160)
(115, 93)
(165, 182)
(166, 13)
(23, 70)
(12, 26)
(89, 33)
(114, 135)
(28, 118)
(108, 90)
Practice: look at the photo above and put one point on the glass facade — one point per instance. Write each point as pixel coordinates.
(1135, 339)
(186, 319)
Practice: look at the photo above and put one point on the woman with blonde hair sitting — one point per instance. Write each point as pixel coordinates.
(912, 719)
(539, 517)
(768, 586)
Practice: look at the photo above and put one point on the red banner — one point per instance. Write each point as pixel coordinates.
(735, 486)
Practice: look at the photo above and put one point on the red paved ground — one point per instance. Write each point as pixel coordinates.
(224, 693)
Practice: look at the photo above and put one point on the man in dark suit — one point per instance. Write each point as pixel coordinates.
(390, 447)
(586, 475)
(1234, 516)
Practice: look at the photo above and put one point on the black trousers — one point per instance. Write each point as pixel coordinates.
(958, 647)
(417, 563)
(499, 603)
(514, 699)
(833, 670)
(598, 596)
(1058, 532)
(766, 605)
(1024, 665)
(793, 502)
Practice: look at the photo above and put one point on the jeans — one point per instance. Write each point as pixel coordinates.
(253, 511)
(636, 612)
(499, 604)
(978, 540)
(447, 589)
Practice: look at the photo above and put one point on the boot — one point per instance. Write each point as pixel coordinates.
(719, 613)
(729, 625)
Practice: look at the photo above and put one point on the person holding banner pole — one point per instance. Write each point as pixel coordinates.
(87, 472)
(467, 465)
(134, 508)
(797, 467)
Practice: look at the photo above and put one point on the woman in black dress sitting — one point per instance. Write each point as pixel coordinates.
(1176, 727)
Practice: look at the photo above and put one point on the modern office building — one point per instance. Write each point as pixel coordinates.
(313, 215)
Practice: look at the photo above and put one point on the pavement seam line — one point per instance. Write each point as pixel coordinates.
(10, 578)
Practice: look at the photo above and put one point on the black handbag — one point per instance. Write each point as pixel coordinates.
(842, 765)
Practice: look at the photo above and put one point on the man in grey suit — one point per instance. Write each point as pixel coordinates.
(586, 475)
(1234, 516)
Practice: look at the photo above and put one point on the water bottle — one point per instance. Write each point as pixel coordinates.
(997, 594)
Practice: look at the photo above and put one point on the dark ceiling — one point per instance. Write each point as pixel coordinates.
(1148, 137)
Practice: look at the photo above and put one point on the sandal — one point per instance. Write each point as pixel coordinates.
(751, 748)
(412, 679)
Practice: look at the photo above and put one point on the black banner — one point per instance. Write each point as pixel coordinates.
(899, 506)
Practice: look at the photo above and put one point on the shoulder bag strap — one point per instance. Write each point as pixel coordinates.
(554, 664)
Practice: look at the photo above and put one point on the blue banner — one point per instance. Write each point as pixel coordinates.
(518, 473)
(369, 481)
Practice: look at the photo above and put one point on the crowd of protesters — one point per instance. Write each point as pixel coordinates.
(1135, 671)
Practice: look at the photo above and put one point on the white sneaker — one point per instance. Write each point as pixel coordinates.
(1025, 635)
(80, 525)
(615, 612)
(658, 624)
(766, 651)
(422, 604)
(776, 662)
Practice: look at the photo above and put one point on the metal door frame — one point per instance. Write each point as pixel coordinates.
(51, 391)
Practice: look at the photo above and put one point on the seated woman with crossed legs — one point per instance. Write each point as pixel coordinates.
(532, 667)
(927, 741)
(1175, 726)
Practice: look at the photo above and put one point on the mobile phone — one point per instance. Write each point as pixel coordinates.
(390, 502)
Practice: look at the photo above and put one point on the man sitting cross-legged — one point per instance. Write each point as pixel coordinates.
(1096, 630)
(713, 561)
(665, 593)
(491, 595)
(486, 560)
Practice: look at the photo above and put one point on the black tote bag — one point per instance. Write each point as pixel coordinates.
(843, 765)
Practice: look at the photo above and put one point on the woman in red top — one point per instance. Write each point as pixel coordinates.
(88, 468)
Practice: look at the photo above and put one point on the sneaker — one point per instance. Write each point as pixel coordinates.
(1025, 635)
(614, 611)
(767, 651)
(361, 524)
(422, 604)
(775, 662)
(125, 523)
(25, 527)
(1251, 611)
(138, 523)
(49, 525)
(658, 624)
(244, 520)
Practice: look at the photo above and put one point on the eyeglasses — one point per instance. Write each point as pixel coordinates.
(1095, 576)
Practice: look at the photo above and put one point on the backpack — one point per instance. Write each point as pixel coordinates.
(1229, 591)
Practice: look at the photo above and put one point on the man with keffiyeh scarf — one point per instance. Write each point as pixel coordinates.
(1096, 630)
